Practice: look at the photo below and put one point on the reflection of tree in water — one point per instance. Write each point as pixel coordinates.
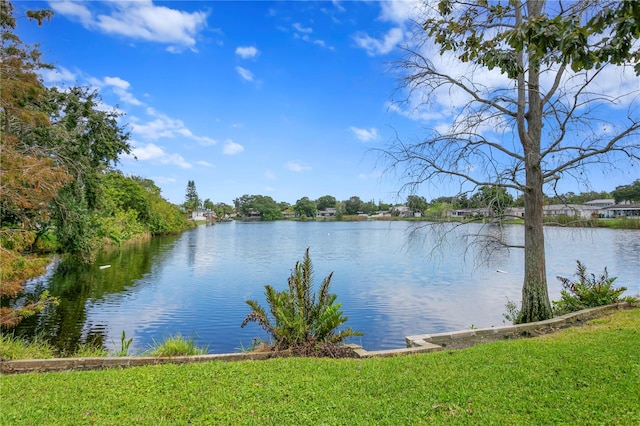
(76, 284)
(192, 243)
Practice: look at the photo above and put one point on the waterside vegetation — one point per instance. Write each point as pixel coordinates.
(60, 189)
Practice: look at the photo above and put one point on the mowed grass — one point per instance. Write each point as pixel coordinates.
(579, 376)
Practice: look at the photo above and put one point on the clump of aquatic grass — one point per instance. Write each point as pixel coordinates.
(176, 346)
(124, 345)
(621, 223)
(89, 350)
(12, 347)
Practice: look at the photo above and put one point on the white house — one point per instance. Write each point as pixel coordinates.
(484, 212)
(631, 211)
(583, 211)
(202, 214)
(602, 203)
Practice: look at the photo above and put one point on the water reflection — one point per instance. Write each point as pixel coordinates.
(389, 279)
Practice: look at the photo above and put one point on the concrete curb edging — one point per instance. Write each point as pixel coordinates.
(422, 343)
(466, 338)
(65, 364)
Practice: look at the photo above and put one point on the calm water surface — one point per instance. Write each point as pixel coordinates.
(390, 281)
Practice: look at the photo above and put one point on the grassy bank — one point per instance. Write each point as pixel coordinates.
(585, 375)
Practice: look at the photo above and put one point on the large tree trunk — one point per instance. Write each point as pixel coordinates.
(535, 296)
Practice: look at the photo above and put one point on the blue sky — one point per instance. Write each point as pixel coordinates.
(285, 99)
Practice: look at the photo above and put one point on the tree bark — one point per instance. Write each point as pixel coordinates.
(535, 296)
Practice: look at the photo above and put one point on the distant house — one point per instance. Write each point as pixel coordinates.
(631, 211)
(514, 212)
(202, 214)
(602, 208)
(402, 211)
(289, 213)
(577, 210)
(382, 213)
(601, 203)
(469, 213)
(328, 212)
(594, 208)
(252, 214)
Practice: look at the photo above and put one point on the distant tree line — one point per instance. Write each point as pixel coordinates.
(494, 198)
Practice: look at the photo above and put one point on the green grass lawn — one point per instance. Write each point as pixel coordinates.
(582, 375)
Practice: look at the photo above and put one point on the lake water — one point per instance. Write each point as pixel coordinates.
(387, 275)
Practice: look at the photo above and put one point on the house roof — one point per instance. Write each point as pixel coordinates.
(624, 207)
(564, 207)
(602, 201)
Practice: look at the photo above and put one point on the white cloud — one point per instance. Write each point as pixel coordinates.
(270, 175)
(415, 112)
(154, 153)
(299, 28)
(245, 73)
(303, 33)
(163, 179)
(72, 9)
(204, 163)
(232, 148)
(338, 6)
(121, 88)
(117, 82)
(58, 75)
(365, 135)
(139, 20)
(247, 52)
(324, 44)
(163, 126)
(618, 83)
(400, 12)
(127, 97)
(375, 46)
(296, 167)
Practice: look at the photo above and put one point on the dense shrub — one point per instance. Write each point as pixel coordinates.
(300, 317)
(587, 291)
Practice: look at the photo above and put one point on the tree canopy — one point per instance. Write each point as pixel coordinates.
(191, 199)
(325, 202)
(629, 192)
(306, 207)
(262, 205)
